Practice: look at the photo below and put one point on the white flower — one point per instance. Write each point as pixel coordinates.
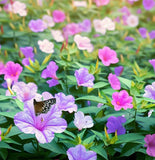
(99, 27)
(48, 21)
(46, 46)
(19, 8)
(132, 21)
(57, 35)
(83, 43)
(80, 3)
(108, 24)
(81, 121)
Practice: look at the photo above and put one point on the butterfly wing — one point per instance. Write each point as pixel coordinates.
(43, 106)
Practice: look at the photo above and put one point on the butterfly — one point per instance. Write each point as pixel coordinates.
(43, 106)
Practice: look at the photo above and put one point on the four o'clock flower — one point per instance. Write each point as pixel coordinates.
(83, 43)
(48, 20)
(46, 46)
(132, 21)
(84, 78)
(150, 91)
(79, 153)
(114, 81)
(152, 61)
(148, 4)
(150, 144)
(57, 35)
(143, 32)
(12, 71)
(81, 121)
(58, 16)
(101, 2)
(43, 126)
(118, 70)
(121, 100)
(108, 56)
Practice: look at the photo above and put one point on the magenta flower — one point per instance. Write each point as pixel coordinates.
(65, 103)
(28, 53)
(152, 34)
(150, 144)
(1, 68)
(58, 16)
(50, 72)
(79, 153)
(152, 61)
(12, 71)
(43, 126)
(101, 2)
(37, 25)
(115, 124)
(118, 70)
(121, 100)
(143, 32)
(148, 4)
(128, 38)
(114, 81)
(150, 91)
(83, 77)
(108, 56)
(26, 92)
(81, 121)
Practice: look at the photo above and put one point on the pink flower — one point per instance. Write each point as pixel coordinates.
(46, 46)
(83, 43)
(101, 2)
(150, 144)
(82, 121)
(132, 21)
(114, 81)
(48, 20)
(148, 4)
(107, 56)
(58, 16)
(99, 27)
(12, 71)
(121, 100)
(1, 68)
(19, 8)
(152, 61)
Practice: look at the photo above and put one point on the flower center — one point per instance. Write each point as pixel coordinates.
(118, 102)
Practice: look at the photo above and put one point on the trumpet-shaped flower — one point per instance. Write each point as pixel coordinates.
(79, 153)
(101, 2)
(20, 8)
(115, 124)
(108, 56)
(85, 25)
(57, 35)
(46, 46)
(79, 3)
(48, 20)
(84, 78)
(83, 43)
(121, 100)
(150, 91)
(148, 4)
(152, 34)
(37, 25)
(58, 16)
(150, 144)
(82, 121)
(152, 61)
(132, 21)
(99, 27)
(43, 126)
(114, 81)
(119, 70)
(12, 71)
(143, 32)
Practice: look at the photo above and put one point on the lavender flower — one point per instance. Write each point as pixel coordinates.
(118, 70)
(143, 32)
(148, 4)
(150, 91)
(79, 153)
(152, 34)
(84, 78)
(37, 25)
(43, 126)
(85, 25)
(129, 38)
(115, 124)
(152, 61)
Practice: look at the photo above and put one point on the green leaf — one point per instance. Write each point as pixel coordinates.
(4, 153)
(5, 145)
(9, 114)
(19, 104)
(90, 109)
(24, 136)
(125, 81)
(89, 139)
(92, 98)
(54, 147)
(100, 85)
(14, 131)
(98, 134)
(28, 147)
(2, 97)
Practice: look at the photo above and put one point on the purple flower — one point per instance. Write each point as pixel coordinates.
(28, 53)
(150, 91)
(37, 25)
(50, 72)
(26, 92)
(152, 34)
(43, 126)
(128, 38)
(148, 4)
(79, 153)
(81, 121)
(143, 32)
(65, 103)
(114, 81)
(152, 61)
(139, 11)
(84, 78)
(125, 11)
(118, 70)
(150, 144)
(12, 71)
(115, 124)
(3, 1)
(85, 25)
